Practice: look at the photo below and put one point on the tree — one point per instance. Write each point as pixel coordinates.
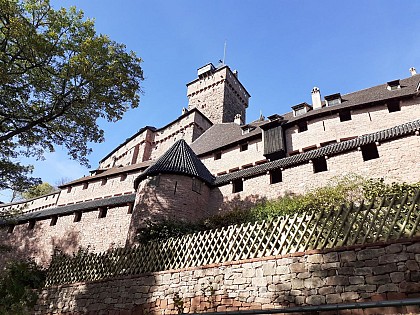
(38, 190)
(57, 77)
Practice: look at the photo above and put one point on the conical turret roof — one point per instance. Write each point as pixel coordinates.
(179, 159)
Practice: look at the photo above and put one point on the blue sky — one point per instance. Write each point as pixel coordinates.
(281, 49)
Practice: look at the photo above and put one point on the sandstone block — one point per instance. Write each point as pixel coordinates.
(349, 296)
(363, 271)
(380, 279)
(394, 248)
(415, 248)
(297, 267)
(326, 290)
(393, 258)
(370, 253)
(334, 298)
(313, 283)
(337, 280)
(397, 277)
(315, 259)
(331, 257)
(347, 256)
(389, 287)
(269, 268)
(315, 300)
(412, 265)
(356, 280)
(385, 269)
(281, 270)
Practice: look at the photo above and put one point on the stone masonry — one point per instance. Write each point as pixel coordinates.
(352, 274)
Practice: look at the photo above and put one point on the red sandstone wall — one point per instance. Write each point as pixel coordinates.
(97, 234)
(356, 274)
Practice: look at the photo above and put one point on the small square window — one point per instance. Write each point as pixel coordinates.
(345, 115)
(69, 189)
(237, 185)
(77, 216)
(302, 126)
(10, 229)
(102, 213)
(320, 165)
(154, 181)
(243, 147)
(123, 177)
(85, 185)
(54, 220)
(276, 176)
(369, 152)
(218, 155)
(196, 185)
(393, 106)
(103, 182)
(31, 225)
(130, 208)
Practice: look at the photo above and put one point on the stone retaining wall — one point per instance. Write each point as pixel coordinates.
(377, 272)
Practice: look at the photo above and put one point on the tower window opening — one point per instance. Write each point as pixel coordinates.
(237, 185)
(320, 164)
(345, 115)
(276, 176)
(369, 152)
(393, 106)
(302, 126)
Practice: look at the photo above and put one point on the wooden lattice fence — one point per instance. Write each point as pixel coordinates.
(381, 221)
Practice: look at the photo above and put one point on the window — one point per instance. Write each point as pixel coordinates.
(393, 106)
(31, 225)
(154, 181)
(393, 85)
(104, 180)
(130, 208)
(68, 189)
(77, 216)
(320, 164)
(243, 147)
(237, 185)
(345, 115)
(369, 152)
(301, 109)
(102, 213)
(302, 126)
(54, 220)
(333, 99)
(217, 155)
(276, 176)
(85, 185)
(196, 185)
(123, 177)
(10, 229)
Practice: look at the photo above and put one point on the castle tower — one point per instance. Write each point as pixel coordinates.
(218, 94)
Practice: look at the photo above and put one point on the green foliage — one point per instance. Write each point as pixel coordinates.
(38, 190)
(340, 190)
(18, 287)
(376, 188)
(57, 78)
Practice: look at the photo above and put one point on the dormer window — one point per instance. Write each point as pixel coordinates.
(334, 99)
(301, 109)
(247, 129)
(393, 85)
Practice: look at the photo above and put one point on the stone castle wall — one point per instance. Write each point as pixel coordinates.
(115, 185)
(364, 121)
(99, 234)
(213, 94)
(233, 158)
(169, 197)
(398, 161)
(344, 275)
(44, 202)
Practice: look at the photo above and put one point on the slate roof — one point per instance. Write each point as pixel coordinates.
(179, 159)
(329, 150)
(223, 135)
(363, 98)
(69, 209)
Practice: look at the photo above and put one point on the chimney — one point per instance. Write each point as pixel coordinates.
(184, 110)
(237, 119)
(413, 71)
(316, 98)
(235, 73)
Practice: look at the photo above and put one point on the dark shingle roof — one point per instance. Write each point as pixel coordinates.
(363, 98)
(89, 205)
(179, 159)
(332, 149)
(221, 135)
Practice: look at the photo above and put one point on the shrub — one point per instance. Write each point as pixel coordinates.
(19, 282)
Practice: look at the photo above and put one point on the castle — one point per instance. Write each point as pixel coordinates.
(210, 159)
